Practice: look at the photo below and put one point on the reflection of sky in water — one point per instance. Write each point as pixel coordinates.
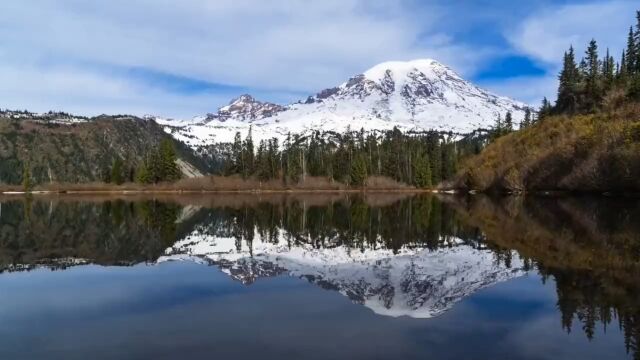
(464, 261)
(189, 310)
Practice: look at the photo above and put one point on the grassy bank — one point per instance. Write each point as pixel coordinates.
(584, 153)
(218, 184)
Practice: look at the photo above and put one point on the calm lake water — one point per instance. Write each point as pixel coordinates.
(388, 276)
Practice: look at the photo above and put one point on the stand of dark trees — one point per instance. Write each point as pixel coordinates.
(419, 159)
(596, 82)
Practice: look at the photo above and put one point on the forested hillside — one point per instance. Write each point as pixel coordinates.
(589, 140)
(84, 150)
(420, 159)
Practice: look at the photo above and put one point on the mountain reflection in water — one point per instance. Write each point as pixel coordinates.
(398, 255)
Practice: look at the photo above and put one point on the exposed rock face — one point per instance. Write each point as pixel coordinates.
(246, 108)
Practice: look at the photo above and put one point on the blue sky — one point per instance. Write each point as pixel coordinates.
(188, 57)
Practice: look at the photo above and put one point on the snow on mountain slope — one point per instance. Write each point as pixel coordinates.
(413, 282)
(414, 95)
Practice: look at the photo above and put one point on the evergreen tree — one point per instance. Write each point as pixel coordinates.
(636, 42)
(508, 122)
(263, 162)
(631, 53)
(236, 155)
(634, 63)
(27, 183)
(545, 109)
(608, 72)
(527, 121)
(449, 160)
(248, 155)
(154, 166)
(568, 84)
(169, 170)
(422, 170)
(106, 175)
(358, 170)
(498, 128)
(622, 70)
(131, 174)
(274, 157)
(117, 175)
(583, 69)
(592, 86)
(142, 174)
(341, 164)
(435, 156)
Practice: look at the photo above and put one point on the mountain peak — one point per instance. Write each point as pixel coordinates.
(400, 69)
(246, 108)
(244, 98)
(415, 95)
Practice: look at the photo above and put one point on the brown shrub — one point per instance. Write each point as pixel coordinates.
(219, 183)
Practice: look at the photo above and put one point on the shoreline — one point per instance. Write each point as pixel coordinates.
(238, 191)
(132, 192)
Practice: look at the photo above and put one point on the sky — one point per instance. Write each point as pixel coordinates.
(185, 58)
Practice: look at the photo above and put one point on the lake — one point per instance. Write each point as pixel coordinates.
(319, 276)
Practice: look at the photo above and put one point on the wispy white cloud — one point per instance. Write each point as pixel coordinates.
(545, 34)
(286, 44)
(90, 93)
(50, 50)
(283, 45)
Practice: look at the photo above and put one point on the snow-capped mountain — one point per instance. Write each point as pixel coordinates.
(247, 109)
(414, 282)
(414, 95)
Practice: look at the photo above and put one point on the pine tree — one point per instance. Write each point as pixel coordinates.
(106, 175)
(498, 128)
(632, 53)
(169, 170)
(508, 122)
(422, 170)
(568, 84)
(583, 69)
(435, 157)
(449, 160)
(358, 173)
(622, 69)
(27, 183)
(608, 71)
(236, 155)
(274, 157)
(248, 155)
(117, 176)
(633, 90)
(592, 86)
(142, 174)
(526, 122)
(154, 166)
(263, 162)
(636, 42)
(545, 109)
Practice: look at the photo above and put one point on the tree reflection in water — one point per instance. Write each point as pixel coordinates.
(589, 247)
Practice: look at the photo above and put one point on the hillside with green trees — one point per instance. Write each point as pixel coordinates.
(588, 141)
(418, 159)
(104, 149)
